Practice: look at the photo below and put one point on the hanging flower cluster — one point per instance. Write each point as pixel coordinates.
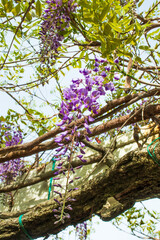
(11, 169)
(81, 230)
(56, 21)
(81, 97)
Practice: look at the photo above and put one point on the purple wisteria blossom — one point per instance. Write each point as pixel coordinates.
(116, 76)
(90, 119)
(116, 60)
(99, 80)
(56, 20)
(85, 71)
(96, 64)
(81, 101)
(109, 86)
(87, 128)
(96, 69)
(103, 74)
(9, 170)
(58, 139)
(107, 68)
(81, 230)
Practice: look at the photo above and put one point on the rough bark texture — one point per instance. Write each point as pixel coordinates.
(133, 178)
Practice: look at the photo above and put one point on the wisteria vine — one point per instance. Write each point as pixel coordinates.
(80, 100)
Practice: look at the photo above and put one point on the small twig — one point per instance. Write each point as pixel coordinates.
(138, 80)
(25, 109)
(17, 29)
(152, 9)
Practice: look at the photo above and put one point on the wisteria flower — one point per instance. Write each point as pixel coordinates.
(88, 101)
(104, 74)
(87, 138)
(58, 139)
(85, 71)
(99, 80)
(107, 68)
(69, 94)
(82, 93)
(90, 119)
(61, 123)
(87, 128)
(77, 81)
(101, 91)
(96, 69)
(116, 60)
(96, 64)
(95, 94)
(109, 86)
(116, 76)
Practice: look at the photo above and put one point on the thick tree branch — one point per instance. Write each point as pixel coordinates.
(142, 114)
(96, 157)
(41, 176)
(133, 178)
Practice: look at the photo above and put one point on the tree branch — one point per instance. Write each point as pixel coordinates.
(17, 29)
(22, 151)
(133, 178)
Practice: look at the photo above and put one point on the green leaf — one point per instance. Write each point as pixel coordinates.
(17, 40)
(81, 54)
(140, 3)
(95, 4)
(88, 19)
(38, 8)
(2, 119)
(104, 13)
(145, 47)
(62, 73)
(103, 46)
(16, 10)
(115, 27)
(125, 21)
(139, 60)
(137, 27)
(106, 28)
(127, 7)
(126, 53)
(84, 3)
(130, 39)
(129, 28)
(28, 16)
(79, 64)
(4, 2)
(9, 6)
(86, 57)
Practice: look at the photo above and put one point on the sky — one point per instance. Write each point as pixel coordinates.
(102, 230)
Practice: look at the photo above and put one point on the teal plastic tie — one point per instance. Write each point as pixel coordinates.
(154, 155)
(22, 227)
(51, 179)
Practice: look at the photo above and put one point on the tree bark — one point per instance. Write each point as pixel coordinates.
(133, 178)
